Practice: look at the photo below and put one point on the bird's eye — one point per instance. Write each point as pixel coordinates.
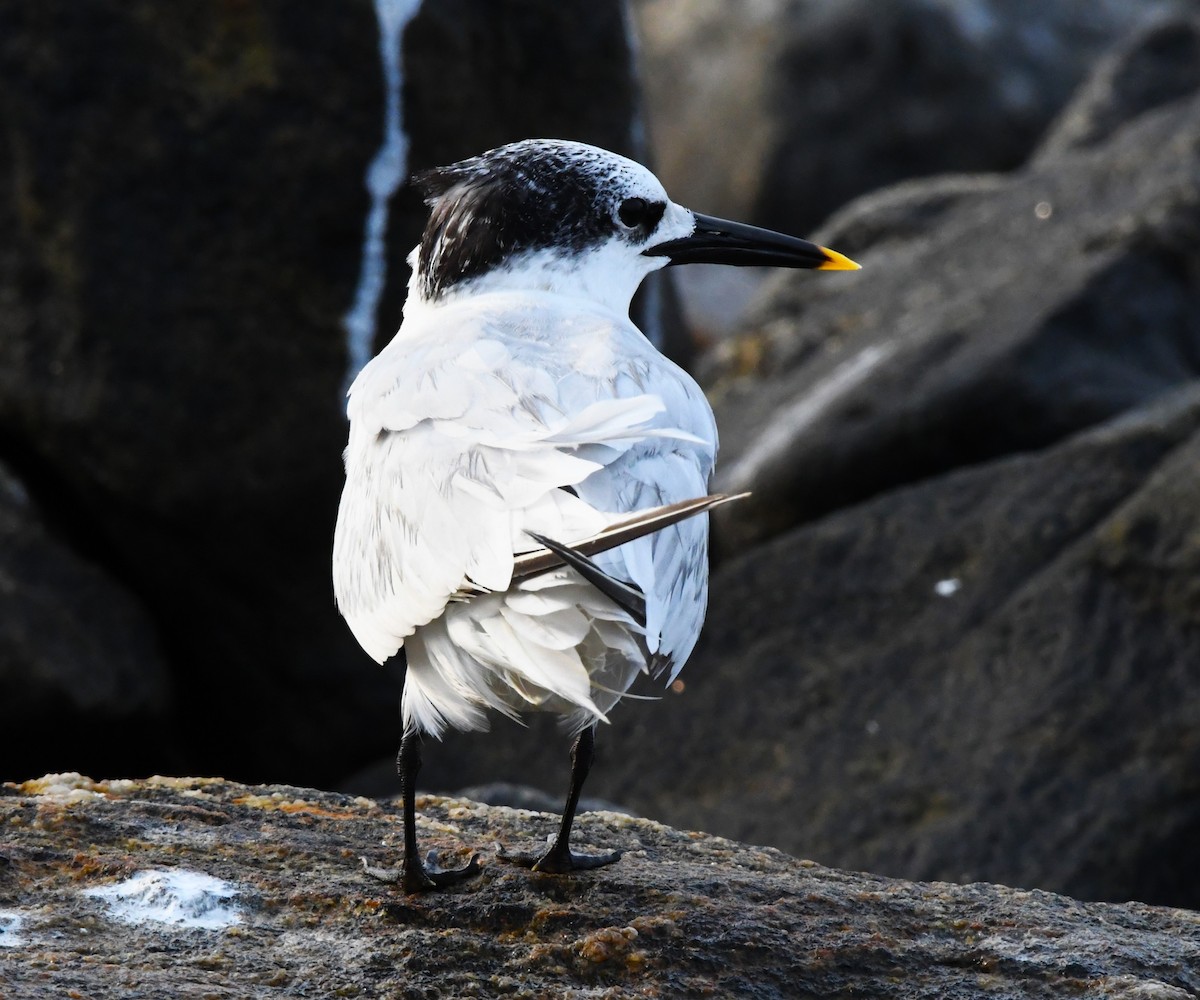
(638, 213)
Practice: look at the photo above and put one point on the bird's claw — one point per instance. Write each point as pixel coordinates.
(440, 876)
(413, 876)
(558, 861)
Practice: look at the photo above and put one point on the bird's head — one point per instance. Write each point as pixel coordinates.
(554, 215)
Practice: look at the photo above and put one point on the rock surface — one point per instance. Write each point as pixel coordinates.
(72, 643)
(1011, 697)
(682, 914)
(830, 101)
(992, 316)
(1151, 68)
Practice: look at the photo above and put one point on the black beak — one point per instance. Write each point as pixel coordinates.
(716, 241)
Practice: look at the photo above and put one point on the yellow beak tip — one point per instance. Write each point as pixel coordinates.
(837, 262)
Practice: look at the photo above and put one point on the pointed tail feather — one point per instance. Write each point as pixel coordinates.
(624, 595)
(644, 522)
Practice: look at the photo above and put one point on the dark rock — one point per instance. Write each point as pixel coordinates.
(830, 101)
(989, 675)
(379, 780)
(505, 793)
(866, 95)
(680, 915)
(185, 203)
(992, 316)
(705, 65)
(1154, 67)
(77, 652)
(184, 207)
(506, 71)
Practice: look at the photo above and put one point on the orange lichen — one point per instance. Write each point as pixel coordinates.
(605, 944)
(277, 802)
(315, 810)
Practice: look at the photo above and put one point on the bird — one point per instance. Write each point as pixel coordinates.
(524, 512)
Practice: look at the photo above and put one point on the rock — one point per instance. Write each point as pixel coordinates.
(705, 75)
(185, 201)
(680, 915)
(78, 654)
(830, 101)
(1154, 67)
(993, 315)
(989, 675)
(476, 52)
(184, 205)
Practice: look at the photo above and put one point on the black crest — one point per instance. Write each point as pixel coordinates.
(518, 198)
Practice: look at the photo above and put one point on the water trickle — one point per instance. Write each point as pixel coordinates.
(384, 176)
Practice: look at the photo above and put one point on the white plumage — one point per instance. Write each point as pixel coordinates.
(464, 432)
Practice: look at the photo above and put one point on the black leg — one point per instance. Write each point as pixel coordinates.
(413, 875)
(560, 858)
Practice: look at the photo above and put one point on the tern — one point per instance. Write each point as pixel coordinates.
(524, 510)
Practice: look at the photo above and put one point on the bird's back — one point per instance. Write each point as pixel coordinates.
(490, 416)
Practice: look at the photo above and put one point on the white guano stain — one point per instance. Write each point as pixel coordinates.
(385, 175)
(10, 928)
(174, 896)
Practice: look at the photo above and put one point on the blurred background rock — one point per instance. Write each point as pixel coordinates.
(955, 634)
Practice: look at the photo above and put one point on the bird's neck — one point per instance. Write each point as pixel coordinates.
(604, 279)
